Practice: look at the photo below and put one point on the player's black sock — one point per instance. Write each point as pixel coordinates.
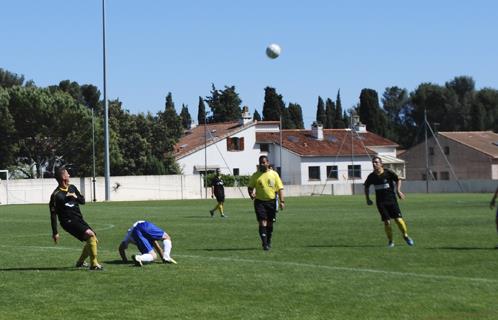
(263, 235)
(269, 232)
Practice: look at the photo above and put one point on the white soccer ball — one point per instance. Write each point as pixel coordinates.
(273, 51)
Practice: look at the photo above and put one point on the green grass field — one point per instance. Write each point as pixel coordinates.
(329, 261)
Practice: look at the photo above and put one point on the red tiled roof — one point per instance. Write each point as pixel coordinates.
(194, 140)
(336, 142)
(483, 141)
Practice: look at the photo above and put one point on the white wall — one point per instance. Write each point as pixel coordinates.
(144, 188)
(385, 151)
(342, 164)
(291, 173)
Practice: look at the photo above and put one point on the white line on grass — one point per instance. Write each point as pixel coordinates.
(295, 264)
(349, 269)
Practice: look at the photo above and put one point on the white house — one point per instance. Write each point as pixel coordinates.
(228, 146)
(315, 156)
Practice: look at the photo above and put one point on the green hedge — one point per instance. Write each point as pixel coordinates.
(230, 181)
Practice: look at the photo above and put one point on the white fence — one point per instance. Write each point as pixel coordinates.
(135, 188)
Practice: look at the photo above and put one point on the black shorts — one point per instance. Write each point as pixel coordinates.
(76, 227)
(265, 210)
(220, 197)
(388, 210)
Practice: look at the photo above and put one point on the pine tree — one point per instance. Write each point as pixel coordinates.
(273, 106)
(201, 111)
(172, 119)
(185, 116)
(256, 116)
(321, 117)
(370, 112)
(329, 113)
(296, 115)
(224, 104)
(339, 122)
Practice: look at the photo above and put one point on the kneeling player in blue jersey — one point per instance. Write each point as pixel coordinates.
(144, 235)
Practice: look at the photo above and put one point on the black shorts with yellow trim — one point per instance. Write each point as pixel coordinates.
(265, 209)
(77, 227)
(389, 210)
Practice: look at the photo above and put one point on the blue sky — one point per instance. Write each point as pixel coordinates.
(158, 46)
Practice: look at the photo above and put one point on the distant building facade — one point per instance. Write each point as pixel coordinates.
(465, 154)
(316, 156)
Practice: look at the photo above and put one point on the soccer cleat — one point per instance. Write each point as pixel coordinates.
(223, 215)
(81, 264)
(169, 261)
(409, 241)
(266, 247)
(390, 244)
(96, 267)
(211, 212)
(137, 260)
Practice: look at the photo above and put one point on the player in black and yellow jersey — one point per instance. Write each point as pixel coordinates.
(263, 187)
(218, 191)
(492, 205)
(387, 186)
(64, 204)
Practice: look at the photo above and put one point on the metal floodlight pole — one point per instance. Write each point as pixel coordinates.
(93, 153)
(106, 115)
(426, 154)
(280, 127)
(352, 157)
(205, 156)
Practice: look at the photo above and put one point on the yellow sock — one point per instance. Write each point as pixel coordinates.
(92, 245)
(85, 253)
(402, 226)
(389, 232)
(220, 207)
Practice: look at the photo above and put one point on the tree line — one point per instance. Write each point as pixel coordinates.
(456, 106)
(41, 128)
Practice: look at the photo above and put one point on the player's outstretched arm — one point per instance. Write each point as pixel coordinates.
(400, 194)
(367, 195)
(158, 249)
(251, 193)
(122, 252)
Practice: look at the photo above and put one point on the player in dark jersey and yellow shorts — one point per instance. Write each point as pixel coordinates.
(64, 204)
(387, 186)
(218, 191)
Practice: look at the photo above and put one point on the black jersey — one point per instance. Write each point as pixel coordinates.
(66, 207)
(383, 184)
(217, 184)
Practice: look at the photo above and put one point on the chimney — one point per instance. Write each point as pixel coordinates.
(356, 124)
(317, 131)
(246, 116)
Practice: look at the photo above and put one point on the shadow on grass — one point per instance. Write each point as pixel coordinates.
(116, 261)
(227, 249)
(207, 216)
(464, 248)
(338, 245)
(41, 269)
